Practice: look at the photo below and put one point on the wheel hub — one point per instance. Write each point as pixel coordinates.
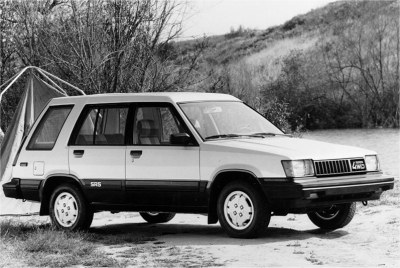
(152, 213)
(66, 209)
(328, 214)
(238, 210)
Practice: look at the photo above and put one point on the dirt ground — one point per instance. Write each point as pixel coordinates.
(371, 239)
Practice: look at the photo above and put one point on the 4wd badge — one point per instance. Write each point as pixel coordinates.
(357, 165)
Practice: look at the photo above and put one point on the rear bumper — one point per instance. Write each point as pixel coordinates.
(307, 194)
(12, 189)
(22, 189)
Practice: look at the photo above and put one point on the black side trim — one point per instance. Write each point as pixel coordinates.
(203, 186)
(99, 184)
(163, 185)
(104, 190)
(30, 189)
(159, 208)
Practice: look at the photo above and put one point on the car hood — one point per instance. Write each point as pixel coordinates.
(292, 148)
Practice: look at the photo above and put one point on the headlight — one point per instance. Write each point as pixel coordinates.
(372, 163)
(298, 168)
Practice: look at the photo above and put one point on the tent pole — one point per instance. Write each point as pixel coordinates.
(54, 84)
(43, 72)
(62, 81)
(52, 87)
(13, 81)
(5, 83)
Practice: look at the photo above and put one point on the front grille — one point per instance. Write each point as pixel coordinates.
(332, 167)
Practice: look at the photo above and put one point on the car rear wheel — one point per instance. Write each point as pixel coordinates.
(242, 210)
(68, 208)
(334, 217)
(157, 217)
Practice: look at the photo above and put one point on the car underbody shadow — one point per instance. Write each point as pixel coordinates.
(200, 234)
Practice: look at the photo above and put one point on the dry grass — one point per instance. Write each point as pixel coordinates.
(25, 244)
(267, 58)
(42, 246)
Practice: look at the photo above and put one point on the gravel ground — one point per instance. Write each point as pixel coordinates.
(371, 239)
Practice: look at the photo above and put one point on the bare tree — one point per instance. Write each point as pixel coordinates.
(114, 46)
(363, 61)
(102, 45)
(98, 45)
(7, 49)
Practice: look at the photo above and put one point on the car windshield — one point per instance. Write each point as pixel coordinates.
(227, 120)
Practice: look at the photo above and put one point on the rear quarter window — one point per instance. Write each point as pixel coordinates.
(46, 134)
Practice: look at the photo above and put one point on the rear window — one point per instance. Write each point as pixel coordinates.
(46, 134)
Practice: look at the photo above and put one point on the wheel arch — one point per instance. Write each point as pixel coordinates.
(219, 181)
(49, 184)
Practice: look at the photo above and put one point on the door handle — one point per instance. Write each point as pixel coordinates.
(79, 152)
(136, 154)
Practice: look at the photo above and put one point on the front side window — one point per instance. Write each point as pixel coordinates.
(46, 134)
(155, 125)
(103, 126)
(221, 119)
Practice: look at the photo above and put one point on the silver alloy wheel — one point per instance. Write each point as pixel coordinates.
(66, 209)
(238, 210)
(328, 214)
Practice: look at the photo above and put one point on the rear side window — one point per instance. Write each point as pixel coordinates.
(46, 134)
(103, 126)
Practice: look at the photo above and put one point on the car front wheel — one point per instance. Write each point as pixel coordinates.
(242, 210)
(334, 217)
(157, 217)
(68, 208)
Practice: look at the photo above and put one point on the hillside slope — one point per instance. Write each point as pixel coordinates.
(223, 49)
(269, 68)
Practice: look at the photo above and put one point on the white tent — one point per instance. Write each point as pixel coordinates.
(35, 96)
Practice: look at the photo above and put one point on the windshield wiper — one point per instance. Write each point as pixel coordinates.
(234, 136)
(221, 136)
(270, 134)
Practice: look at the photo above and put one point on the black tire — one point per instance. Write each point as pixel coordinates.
(244, 200)
(334, 217)
(70, 202)
(157, 217)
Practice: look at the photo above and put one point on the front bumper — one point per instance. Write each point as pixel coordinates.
(307, 194)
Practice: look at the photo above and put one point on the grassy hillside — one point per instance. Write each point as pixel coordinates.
(242, 42)
(305, 55)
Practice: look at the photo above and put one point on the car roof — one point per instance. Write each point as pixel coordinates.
(177, 97)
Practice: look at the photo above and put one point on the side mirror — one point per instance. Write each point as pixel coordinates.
(180, 139)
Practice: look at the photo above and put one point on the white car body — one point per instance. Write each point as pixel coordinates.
(183, 178)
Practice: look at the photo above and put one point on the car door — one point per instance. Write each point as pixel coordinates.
(97, 152)
(160, 174)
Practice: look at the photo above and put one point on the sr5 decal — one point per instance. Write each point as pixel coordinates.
(95, 184)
